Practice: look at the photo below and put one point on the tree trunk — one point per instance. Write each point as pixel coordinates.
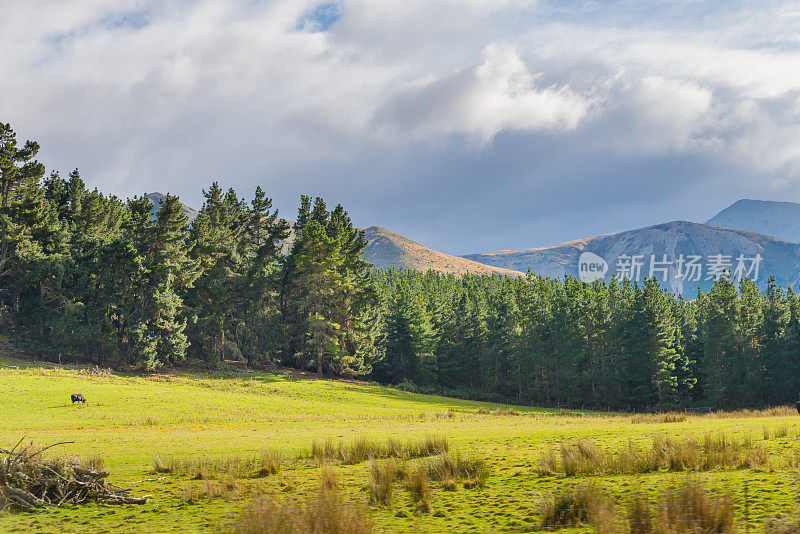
(319, 363)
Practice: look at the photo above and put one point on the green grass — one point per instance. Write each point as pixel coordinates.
(229, 424)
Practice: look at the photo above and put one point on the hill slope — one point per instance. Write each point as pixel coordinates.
(389, 250)
(674, 239)
(778, 219)
(157, 198)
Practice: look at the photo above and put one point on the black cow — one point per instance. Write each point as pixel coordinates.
(797, 405)
(77, 398)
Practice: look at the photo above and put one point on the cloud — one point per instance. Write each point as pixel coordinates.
(499, 94)
(419, 112)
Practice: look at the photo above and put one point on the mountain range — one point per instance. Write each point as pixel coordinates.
(751, 237)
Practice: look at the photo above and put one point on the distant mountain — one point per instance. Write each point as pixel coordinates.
(677, 243)
(156, 199)
(778, 219)
(389, 250)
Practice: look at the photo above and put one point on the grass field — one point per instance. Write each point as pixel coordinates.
(207, 423)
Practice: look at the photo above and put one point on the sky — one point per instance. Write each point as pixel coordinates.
(466, 125)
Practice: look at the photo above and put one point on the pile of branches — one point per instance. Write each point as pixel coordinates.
(28, 481)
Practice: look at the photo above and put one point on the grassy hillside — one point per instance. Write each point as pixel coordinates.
(389, 250)
(179, 419)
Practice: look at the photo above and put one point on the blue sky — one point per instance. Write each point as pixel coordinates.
(467, 125)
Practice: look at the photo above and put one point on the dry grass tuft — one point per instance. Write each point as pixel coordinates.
(667, 417)
(328, 480)
(576, 507)
(227, 489)
(417, 484)
(324, 513)
(362, 450)
(452, 467)
(160, 466)
(94, 463)
(716, 451)
(775, 525)
(690, 508)
(381, 481)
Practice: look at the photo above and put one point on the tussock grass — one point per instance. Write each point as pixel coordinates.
(666, 417)
(361, 449)
(690, 509)
(775, 411)
(266, 464)
(777, 525)
(453, 467)
(381, 481)
(715, 451)
(227, 489)
(640, 516)
(684, 509)
(94, 463)
(160, 466)
(418, 486)
(328, 479)
(325, 512)
(576, 507)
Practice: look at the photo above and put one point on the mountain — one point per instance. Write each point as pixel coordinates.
(157, 198)
(678, 243)
(778, 219)
(389, 250)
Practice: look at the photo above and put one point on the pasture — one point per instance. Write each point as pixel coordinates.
(205, 445)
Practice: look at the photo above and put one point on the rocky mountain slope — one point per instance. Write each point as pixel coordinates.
(389, 250)
(157, 198)
(778, 219)
(668, 249)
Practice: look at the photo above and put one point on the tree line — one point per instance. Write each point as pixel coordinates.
(562, 342)
(89, 275)
(92, 277)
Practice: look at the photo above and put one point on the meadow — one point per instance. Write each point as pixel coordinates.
(206, 446)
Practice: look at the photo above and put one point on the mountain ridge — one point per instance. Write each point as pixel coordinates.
(779, 219)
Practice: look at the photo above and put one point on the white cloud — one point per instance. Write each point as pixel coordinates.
(137, 90)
